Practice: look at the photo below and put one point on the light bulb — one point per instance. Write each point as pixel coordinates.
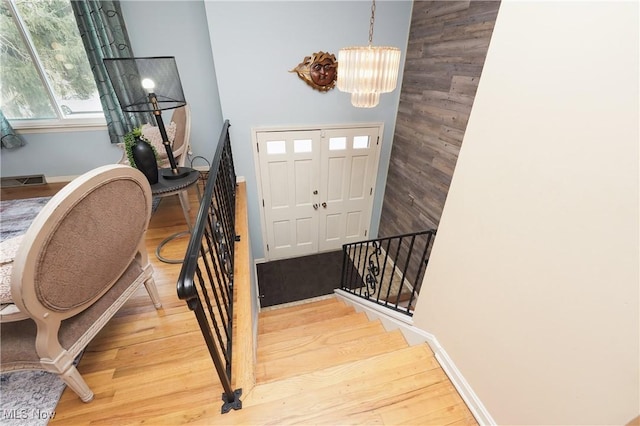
(148, 85)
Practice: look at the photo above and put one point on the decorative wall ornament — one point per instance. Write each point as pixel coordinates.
(319, 71)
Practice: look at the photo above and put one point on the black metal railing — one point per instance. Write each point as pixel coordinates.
(206, 277)
(388, 271)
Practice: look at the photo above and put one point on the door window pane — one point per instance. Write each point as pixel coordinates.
(302, 145)
(276, 147)
(336, 144)
(361, 142)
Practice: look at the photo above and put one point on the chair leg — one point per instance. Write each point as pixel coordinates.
(74, 380)
(150, 285)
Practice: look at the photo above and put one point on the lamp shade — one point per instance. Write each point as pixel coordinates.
(134, 78)
(367, 71)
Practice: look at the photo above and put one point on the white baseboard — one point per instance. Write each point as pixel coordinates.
(392, 320)
(477, 408)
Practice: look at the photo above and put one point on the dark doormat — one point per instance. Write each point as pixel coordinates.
(300, 278)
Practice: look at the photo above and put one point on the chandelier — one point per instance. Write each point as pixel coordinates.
(367, 71)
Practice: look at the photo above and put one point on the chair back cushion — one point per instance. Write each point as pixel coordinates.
(84, 239)
(182, 117)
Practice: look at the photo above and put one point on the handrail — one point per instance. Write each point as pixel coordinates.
(206, 278)
(388, 271)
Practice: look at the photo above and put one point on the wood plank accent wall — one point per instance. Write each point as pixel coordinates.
(448, 43)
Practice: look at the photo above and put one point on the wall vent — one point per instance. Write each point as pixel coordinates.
(13, 181)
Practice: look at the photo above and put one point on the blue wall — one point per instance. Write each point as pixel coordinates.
(255, 44)
(60, 154)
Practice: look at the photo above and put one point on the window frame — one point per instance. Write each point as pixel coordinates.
(45, 125)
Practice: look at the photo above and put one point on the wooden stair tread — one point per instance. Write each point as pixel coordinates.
(313, 342)
(329, 356)
(454, 415)
(400, 363)
(427, 392)
(325, 305)
(312, 328)
(354, 392)
(296, 319)
(299, 307)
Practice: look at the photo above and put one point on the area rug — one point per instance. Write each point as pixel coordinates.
(300, 278)
(16, 215)
(29, 397)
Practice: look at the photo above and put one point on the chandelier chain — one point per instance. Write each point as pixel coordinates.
(371, 21)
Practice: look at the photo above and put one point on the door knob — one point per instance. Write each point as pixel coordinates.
(315, 192)
(324, 205)
(315, 207)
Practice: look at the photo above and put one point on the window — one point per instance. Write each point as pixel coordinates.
(337, 144)
(360, 142)
(45, 77)
(302, 145)
(276, 147)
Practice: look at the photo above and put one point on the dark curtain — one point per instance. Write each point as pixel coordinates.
(8, 138)
(104, 35)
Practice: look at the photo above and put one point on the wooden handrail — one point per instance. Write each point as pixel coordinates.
(243, 351)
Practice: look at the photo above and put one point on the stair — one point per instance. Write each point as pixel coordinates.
(323, 363)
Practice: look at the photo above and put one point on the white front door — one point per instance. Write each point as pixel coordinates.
(289, 166)
(347, 175)
(316, 188)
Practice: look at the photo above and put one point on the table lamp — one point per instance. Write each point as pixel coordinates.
(149, 85)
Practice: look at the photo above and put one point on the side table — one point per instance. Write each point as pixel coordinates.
(166, 187)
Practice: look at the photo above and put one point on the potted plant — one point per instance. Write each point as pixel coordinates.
(141, 154)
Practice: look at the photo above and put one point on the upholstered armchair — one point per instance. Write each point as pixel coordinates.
(81, 259)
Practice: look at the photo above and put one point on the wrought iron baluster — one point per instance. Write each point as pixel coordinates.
(404, 270)
(373, 268)
(222, 341)
(384, 270)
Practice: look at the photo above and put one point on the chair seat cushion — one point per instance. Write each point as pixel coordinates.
(18, 351)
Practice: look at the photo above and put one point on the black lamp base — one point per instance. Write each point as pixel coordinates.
(169, 173)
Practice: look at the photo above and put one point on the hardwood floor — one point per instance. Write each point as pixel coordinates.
(19, 192)
(317, 363)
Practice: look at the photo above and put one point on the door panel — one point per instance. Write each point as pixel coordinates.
(289, 164)
(335, 178)
(358, 181)
(279, 193)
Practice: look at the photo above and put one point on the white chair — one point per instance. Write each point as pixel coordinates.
(180, 147)
(81, 259)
